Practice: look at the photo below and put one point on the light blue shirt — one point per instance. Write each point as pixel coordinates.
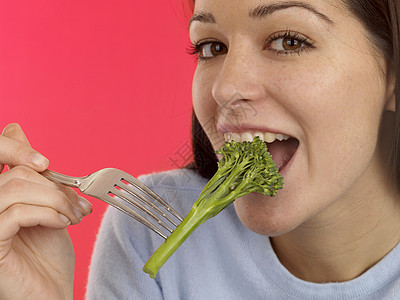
(222, 259)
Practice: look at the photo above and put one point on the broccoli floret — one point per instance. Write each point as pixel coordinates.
(244, 168)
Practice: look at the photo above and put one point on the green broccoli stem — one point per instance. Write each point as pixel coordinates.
(204, 208)
(193, 220)
(215, 181)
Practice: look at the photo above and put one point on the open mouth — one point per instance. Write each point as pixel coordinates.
(281, 147)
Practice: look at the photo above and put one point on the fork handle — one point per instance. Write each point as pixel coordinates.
(61, 178)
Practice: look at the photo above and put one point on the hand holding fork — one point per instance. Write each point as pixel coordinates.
(36, 253)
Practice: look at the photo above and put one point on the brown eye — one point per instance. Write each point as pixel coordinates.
(286, 44)
(211, 49)
(290, 44)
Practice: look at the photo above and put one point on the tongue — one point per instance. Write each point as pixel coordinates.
(283, 151)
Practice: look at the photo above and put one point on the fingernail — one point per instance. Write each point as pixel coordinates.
(78, 214)
(65, 219)
(84, 204)
(39, 160)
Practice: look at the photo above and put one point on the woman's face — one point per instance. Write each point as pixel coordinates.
(304, 70)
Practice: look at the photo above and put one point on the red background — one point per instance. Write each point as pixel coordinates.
(97, 84)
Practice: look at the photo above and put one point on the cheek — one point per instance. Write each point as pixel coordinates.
(201, 93)
(337, 105)
(344, 110)
(205, 106)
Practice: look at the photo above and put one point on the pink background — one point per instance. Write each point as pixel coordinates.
(97, 84)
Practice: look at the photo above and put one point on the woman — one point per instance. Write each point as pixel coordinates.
(322, 76)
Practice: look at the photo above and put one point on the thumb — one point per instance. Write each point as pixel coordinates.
(14, 131)
(16, 149)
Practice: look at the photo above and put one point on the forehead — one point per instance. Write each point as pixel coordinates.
(330, 15)
(249, 8)
(234, 3)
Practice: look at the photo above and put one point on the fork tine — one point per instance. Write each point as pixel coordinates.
(140, 207)
(144, 200)
(114, 187)
(142, 187)
(130, 212)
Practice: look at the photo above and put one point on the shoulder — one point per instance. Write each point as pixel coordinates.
(180, 187)
(183, 179)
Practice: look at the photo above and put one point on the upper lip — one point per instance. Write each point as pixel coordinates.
(224, 128)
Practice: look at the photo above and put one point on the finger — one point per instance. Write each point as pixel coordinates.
(15, 153)
(20, 215)
(27, 174)
(84, 205)
(17, 191)
(15, 132)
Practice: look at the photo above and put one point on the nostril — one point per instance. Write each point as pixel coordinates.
(239, 102)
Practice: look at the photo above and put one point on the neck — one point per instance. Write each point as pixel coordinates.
(326, 256)
(346, 239)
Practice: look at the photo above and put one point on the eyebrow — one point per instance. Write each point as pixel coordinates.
(202, 17)
(263, 10)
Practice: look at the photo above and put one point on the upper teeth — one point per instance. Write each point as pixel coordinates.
(249, 136)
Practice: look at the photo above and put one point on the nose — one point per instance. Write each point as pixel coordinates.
(239, 79)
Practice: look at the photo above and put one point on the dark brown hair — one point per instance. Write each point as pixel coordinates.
(381, 18)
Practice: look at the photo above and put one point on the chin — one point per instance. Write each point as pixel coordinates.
(266, 215)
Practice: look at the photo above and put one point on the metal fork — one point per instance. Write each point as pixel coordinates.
(115, 187)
